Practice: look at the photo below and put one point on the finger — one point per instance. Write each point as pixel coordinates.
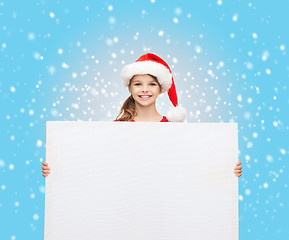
(46, 168)
(46, 171)
(237, 171)
(238, 163)
(239, 167)
(45, 163)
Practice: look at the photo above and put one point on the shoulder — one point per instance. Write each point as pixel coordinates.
(122, 121)
(164, 119)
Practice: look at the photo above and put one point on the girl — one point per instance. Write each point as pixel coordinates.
(146, 79)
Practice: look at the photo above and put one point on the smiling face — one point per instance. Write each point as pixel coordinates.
(145, 89)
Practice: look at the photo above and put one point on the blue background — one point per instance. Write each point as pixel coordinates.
(61, 60)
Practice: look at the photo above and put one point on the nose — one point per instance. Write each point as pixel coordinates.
(145, 88)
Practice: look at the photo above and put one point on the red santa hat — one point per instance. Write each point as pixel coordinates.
(152, 64)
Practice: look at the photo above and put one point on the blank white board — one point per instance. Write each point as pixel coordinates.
(141, 181)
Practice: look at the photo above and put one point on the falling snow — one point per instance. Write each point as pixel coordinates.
(226, 70)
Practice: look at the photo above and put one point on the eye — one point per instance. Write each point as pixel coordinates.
(153, 84)
(137, 83)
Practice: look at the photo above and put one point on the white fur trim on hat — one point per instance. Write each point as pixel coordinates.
(158, 70)
(177, 114)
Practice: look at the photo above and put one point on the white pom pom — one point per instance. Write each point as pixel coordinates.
(177, 114)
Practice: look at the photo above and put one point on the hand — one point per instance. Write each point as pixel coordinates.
(237, 169)
(46, 169)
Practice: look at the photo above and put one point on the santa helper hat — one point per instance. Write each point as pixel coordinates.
(152, 64)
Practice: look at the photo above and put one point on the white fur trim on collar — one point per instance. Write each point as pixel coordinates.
(158, 70)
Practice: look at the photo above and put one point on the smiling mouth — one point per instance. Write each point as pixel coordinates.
(145, 96)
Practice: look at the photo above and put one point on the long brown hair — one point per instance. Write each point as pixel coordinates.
(128, 110)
